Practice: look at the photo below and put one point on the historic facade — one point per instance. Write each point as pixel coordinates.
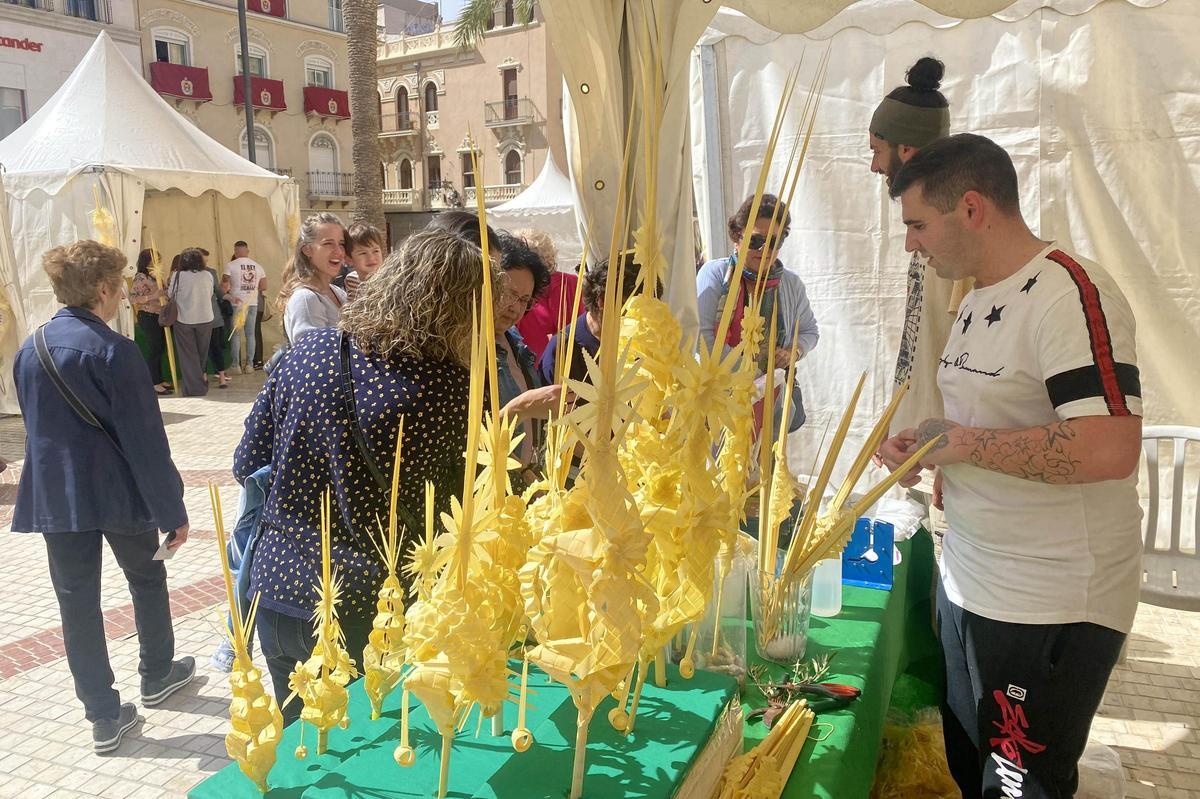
(501, 99)
(191, 52)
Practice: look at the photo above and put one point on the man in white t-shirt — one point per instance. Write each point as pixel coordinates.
(1037, 467)
(248, 279)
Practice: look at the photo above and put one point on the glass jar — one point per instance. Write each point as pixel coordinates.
(780, 609)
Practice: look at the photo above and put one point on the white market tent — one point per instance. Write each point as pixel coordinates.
(159, 176)
(548, 204)
(1097, 100)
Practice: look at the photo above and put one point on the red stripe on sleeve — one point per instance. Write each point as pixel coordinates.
(1097, 324)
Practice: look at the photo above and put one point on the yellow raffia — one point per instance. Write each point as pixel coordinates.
(256, 724)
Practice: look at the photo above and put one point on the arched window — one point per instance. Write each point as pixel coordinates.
(513, 168)
(258, 61)
(431, 97)
(468, 171)
(510, 14)
(318, 71)
(406, 174)
(403, 120)
(323, 154)
(264, 147)
(173, 46)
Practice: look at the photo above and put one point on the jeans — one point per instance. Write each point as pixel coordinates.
(240, 547)
(156, 344)
(288, 640)
(75, 561)
(247, 331)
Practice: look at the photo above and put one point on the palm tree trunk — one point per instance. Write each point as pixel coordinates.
(361, 45)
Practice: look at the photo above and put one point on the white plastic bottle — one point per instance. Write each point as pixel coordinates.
(827, 587)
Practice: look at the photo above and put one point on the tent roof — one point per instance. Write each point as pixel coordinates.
(550, 193)
(129, 129)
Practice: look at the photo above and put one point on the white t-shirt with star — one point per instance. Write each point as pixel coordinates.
(1052, 342)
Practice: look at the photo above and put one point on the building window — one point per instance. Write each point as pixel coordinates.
(509, 79)
(468, 171)
(264, 147)
(433, 170)
(513, 168)
(172, 47)
(323, 154)
(318, 72)
(336, 21)
(431, 100)
(510, 14)
(87, 9)
(12, 110)
(406, 174)
(258, 61)
(403, 120)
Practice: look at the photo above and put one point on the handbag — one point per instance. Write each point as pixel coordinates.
(345, 388)
(169, 314)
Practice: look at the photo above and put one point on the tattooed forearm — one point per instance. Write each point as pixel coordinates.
(933, 428)
(1046, 454)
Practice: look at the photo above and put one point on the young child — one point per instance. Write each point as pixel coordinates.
(365, 246)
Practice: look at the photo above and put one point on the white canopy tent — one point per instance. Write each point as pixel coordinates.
(105, 130)
(1098, 107)
(1096, 99)
(548, 204)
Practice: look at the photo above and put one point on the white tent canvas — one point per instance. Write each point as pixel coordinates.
(1098, 108)
(548, 204)
(106, 133)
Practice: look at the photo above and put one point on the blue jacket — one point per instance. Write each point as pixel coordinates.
(73, 479)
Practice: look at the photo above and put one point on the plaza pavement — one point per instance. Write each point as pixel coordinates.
(1151, 712)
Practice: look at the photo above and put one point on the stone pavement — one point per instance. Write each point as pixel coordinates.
(1151, 712)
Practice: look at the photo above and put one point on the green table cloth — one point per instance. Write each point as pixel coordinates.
(884, 642)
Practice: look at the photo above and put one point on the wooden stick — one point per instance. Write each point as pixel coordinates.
(660, 670)
(581, 733)
(447, 748)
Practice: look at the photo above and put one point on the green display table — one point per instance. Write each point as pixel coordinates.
(672, 727)
(884, 640)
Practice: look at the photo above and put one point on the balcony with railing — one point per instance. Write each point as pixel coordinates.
(402, 198)
(331, 186)
(399, 124)
(265, 94)
(509, 111)
(492, 194)
(287, 173)
(180, 82)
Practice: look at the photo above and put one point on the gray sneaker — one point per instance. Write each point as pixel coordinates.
(107, 733)
(155, 692)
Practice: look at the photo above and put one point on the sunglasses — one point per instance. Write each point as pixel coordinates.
(758, 241)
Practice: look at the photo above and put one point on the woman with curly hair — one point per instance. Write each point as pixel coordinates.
(404, 344)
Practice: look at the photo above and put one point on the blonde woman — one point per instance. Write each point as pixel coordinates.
(406, 340)
(309, 300)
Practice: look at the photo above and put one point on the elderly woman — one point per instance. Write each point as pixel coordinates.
(555, 306)
(320, 432)
(192, 287)
(784, 290)
(98, 468)
(308, 299)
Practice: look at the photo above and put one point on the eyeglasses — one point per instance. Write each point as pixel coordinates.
(758, 241)
(509, 297)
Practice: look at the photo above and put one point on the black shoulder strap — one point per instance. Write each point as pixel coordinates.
(346, 387)
(43, 355)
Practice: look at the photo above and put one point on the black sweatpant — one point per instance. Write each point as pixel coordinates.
(1019, 701)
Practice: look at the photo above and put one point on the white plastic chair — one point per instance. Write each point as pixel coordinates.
(1171, 576)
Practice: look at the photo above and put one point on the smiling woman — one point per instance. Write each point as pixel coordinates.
(308, 299)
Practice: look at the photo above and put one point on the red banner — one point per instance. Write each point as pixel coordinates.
(326, 102)
(264, 93)
(276, 8)
(176, 80)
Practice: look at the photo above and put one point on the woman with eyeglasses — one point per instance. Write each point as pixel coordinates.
(522, 395)
(784, 290)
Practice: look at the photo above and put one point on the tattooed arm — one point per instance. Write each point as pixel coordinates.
(1088, 449)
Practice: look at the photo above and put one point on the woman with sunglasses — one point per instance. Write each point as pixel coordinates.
(784, 290)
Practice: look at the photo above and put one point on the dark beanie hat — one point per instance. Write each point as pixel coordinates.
(917, 114)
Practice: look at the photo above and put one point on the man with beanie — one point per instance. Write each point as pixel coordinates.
(909, 118)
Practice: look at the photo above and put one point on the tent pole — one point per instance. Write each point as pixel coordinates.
(247, 98)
